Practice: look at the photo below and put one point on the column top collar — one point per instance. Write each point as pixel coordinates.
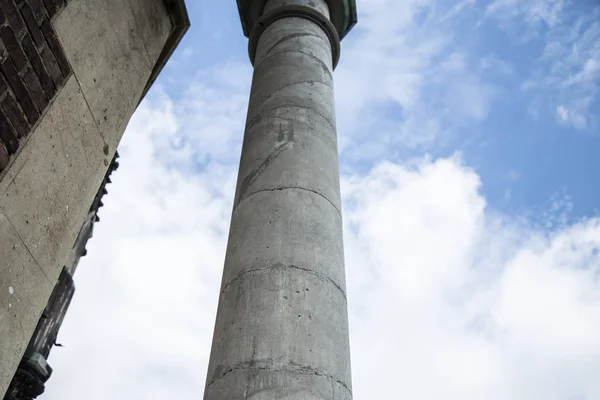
(343, 14)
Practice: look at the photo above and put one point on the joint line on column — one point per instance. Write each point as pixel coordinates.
(295, 11)
(288, 188)
(321, 276)
(270, 365)
(323, 65)
(262, 101)
(290, 37)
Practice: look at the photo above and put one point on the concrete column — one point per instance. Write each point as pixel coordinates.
(282, 326)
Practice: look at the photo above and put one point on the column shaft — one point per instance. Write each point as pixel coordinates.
(282, 327)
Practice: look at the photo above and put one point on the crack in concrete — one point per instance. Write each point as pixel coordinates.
(326, 69)
(290, 37)
(321, 276)
(287, 188)
(26, 247)
(256, 172)
(269, 365)
(263, 101)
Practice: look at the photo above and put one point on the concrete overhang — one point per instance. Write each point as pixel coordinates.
(180, 22)
(343, 14)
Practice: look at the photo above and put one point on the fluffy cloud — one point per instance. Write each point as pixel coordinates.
(535, 12)
(140, 326)
(405, 79)
(566, 75)
(447, 298)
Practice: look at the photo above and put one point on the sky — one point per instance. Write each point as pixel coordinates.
(468, 138)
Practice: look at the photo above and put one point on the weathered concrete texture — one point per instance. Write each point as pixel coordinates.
(44, 198)
(33, 68)
(265, 381)
(57, 177)
(154, 25)
(108, 43)
(282, 329)
(46, 191)
(23, 286)
(300, 221)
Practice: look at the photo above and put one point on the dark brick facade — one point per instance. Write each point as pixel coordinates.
(33, 67)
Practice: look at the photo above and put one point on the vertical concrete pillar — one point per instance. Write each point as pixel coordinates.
(282, 327)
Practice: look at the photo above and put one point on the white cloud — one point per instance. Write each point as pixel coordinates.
(449, 300)
(534, 12)
(494, 65)
(141, 323)
(211, 113)
(567, 74)
(402, 64)
(570, 117)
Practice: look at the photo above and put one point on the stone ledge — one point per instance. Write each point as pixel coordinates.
(181, 24)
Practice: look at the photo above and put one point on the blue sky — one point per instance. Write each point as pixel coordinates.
(468, 133)
(531, 134)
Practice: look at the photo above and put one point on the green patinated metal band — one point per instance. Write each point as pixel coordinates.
(295, 11)
(343, 14)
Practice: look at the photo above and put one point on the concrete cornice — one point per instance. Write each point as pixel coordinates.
(181, 23)
(343, 14)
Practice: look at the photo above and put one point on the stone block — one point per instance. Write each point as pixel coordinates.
(4, 157)
(34, 87)
(106, 50)
(13, 16)
(38, 66)
(8, 136)
(32, 24)
(12, 46)
(56, 47)
(39, 10)
(24, 291)
(51, 7)
(12, 111)
(154, 25)
(18, 88)
(52, 67)
(59, 4)
(55, 179)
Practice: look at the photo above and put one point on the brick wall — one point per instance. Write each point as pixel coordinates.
(33, 67)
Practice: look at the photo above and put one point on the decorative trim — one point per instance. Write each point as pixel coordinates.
(295, 11)
(343, 14)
